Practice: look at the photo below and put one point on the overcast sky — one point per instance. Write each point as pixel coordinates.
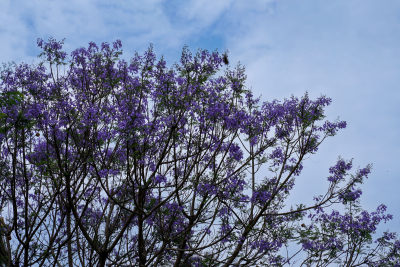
(348, 50)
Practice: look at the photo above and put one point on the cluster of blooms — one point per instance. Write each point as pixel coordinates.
(261, 197)
(333, 235)
(350, 195)
(339, 170)
(266, 245)
(105, 160)
(206, 188)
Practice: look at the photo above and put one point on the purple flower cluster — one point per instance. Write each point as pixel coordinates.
(336, 233)
(261, 197)
(266, 245)
(158, 179)
(339, 170)
(206, 188)
(350, 195)
(235, 152)
(52, 50)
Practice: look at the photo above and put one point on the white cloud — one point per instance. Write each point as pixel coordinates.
(136, 22)
(12, 34)
(203, 12)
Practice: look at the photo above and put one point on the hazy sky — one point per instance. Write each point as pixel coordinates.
(348, 50)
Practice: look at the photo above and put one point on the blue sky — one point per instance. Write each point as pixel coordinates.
(348, 50)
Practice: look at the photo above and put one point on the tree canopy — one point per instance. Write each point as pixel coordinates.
(108, 162)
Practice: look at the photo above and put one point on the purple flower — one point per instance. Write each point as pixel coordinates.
(158, 179)
(235, 152)
(339, 170)
(206, 188)
(261, 197)
(350, 195)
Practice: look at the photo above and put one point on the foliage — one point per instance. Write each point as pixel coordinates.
(105, 161)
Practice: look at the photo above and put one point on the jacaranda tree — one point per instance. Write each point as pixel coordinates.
(106, 162)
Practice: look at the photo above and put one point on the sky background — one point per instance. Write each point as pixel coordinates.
(348, 50)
